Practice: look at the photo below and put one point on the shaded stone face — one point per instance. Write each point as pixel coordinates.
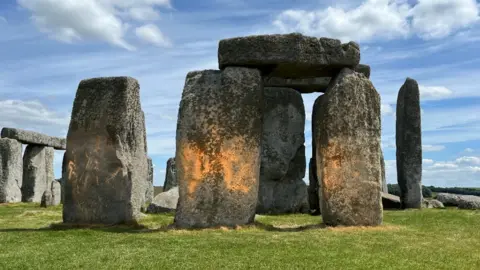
(149, 189)
(347, 138)
(106, 162)
(218, 147)
(289, 56)
(384, 178)
(11, 171)
(56, 193)
(282, 189)
(170, 175)
(37, 172)
(409, 145)
(31, 137)
(314, 184)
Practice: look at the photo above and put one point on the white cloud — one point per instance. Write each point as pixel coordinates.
(469, 150)
(144, 13)
(432, 148)
(386, 109)
(151, 34)
(434, 92)
(427, 161)
(468, 160)
(444, 165)
(439, 18)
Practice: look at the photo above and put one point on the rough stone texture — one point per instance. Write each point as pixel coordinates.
(47, 198)
(164, 202)
(363, 69)
(170, 175)
(149, 190)
(283, 165)
(56, 192)
(384, 178)
(37, 172)
(314, 194)
(431, 203)
(390, 201)
(106, 159)
(64, 176)
(31, 137)
(347, 141)
(218, 149)
(11, 171)
(289, 56)
(461, 201)
(409, 145)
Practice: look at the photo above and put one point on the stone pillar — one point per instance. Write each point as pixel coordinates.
(409, 145)
(384, 178)
(170, 175)
(149, 190)
(347, 134)
(314, 184)
(282, 189)
(56, 192)
(219, 134)
(11, 171)
(105, 157)
(37, 172)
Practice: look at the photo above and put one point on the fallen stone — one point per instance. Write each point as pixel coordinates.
(164, 202)
(460, 201)
(390, 201)
(409, 145)
(37, 172)
(56, 192)
(431, 203)
(292, 56)
(170, 175)
(11, 171)
(31, 137)
(282, 189)
(347, 138)
(219, 134)
(106, 160)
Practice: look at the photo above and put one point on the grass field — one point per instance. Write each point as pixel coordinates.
(426, 239)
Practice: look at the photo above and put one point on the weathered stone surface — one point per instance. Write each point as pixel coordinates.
(431, 203)
(289, 56)
(37, 172)
(149, 188)
(347, 140)
(461, 201)
(314, 194)
(363, 69)
(64, 176)
(164, 202)
(56, 192)
(219, 135)
(170, 175)
(31, 137)
(384, 178)
(390, 201)
(409, 145)
(11, 171)
(105, 157)
(283, 165)
(47, 198)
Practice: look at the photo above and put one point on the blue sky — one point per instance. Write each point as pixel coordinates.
(48, 46)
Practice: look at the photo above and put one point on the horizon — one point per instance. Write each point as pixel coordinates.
(51, 45)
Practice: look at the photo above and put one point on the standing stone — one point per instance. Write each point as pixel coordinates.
(384, 178)
(409, 145)
(37, 172)
(219, 134)
(282, 170)
(56, 192)
(170, 175)
(47, 198)
(348, 151)
(105, 156)
(149, 190)
(64, 176)
(314, 185)
(11, 171)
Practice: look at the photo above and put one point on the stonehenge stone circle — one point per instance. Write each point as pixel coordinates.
(47, 198)
(37, 172)
(11, 171)
(56, 193)
(409, 145)
(164, 202)
(219, 136)
(314, 187)
(347, 138)
(282, 169)
(170, 175)
(106, 156)
(31, 137)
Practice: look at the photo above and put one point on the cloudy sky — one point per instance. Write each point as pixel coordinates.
(48, 46)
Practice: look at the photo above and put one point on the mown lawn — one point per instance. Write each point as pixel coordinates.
(426, 239)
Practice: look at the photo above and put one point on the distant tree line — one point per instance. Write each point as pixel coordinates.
(427, 191)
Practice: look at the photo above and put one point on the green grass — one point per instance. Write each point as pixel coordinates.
(426, 239)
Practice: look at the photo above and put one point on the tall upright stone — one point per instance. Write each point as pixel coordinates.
(170, 175)
(11, 171)
(409, 145)
(106, 156)
(283, 165)
(219, 134)
(347, 134)
(384, 178)
(314, 185)
(56, 192)
(37, 172)
(149, 189)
